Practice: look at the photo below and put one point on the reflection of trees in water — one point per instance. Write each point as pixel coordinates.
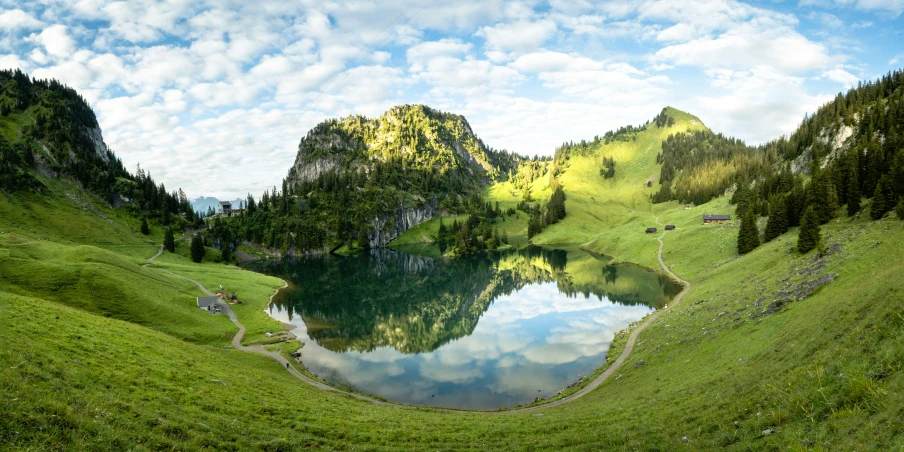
(416, 304)
(411, 303)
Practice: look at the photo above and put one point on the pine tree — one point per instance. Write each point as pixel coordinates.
(878, 208)
(169, 243)
(197, 249)
(809, 235)
(144, 226)
(749, 235)
(778, 221)
(795, 203)
(533, 227)
(363, 238)
(821, 194)
(742, 198)
(853, 189)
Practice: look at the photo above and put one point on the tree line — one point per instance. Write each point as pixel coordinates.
(871, 167)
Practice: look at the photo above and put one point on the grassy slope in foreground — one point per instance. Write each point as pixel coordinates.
(85, 381)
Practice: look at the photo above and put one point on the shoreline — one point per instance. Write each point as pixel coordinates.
(584, 386)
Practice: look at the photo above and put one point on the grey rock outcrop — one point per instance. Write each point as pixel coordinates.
(98, 140)
(388, 227)
(310, 171)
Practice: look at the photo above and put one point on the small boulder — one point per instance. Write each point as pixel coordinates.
(640, 363)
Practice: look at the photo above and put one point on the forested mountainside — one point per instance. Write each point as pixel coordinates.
(49, 131)
(851, 148)
(365, 181)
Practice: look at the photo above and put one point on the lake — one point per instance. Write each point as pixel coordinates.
(483, 332)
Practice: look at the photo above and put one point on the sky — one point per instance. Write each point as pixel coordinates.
(213, 96)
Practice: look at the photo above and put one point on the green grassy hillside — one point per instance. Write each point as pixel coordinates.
(594, 204)
(820, 373)
(100, 353)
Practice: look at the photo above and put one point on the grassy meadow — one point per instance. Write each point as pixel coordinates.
(770, 351)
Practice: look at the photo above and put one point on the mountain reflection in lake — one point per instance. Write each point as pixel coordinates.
(477, 333)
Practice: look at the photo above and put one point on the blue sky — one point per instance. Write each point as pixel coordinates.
(213, 96)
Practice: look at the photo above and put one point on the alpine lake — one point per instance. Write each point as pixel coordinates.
(481, 333)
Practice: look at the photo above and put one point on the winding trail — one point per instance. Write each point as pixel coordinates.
(259, 349)
(151, 259)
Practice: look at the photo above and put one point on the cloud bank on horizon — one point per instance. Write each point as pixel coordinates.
(213, 96)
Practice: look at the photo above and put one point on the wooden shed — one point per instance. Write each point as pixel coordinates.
(715, 218)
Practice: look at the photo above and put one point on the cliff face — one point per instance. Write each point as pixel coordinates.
(310, 171)
(388, 227)
(97, 139)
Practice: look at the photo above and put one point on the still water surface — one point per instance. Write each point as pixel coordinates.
(476, 333)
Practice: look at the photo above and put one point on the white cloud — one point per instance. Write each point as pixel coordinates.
(457, 74)
(845, 78)
(895, 7)
(518, 36)
(421, 54)
(16, 19)
(751, 44)
(56, 41)
(756, 105)
(679, 32)
(826, 19)
(12, 62)
(547, 61)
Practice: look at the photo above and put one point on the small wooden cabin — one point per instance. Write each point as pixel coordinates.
(207, 303)
(715, 218)
(669, 227)
(651, 230)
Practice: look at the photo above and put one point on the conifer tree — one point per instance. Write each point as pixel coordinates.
(144, 226)
(878, 208)
(742, 198)
(533, 226)
(363, 238)
(778, 221)
(169, 243)
(795, 203)
(197, 249)
(809, 235)
(821, 194)
(749, 235)
(900, 209)
(853, 190)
